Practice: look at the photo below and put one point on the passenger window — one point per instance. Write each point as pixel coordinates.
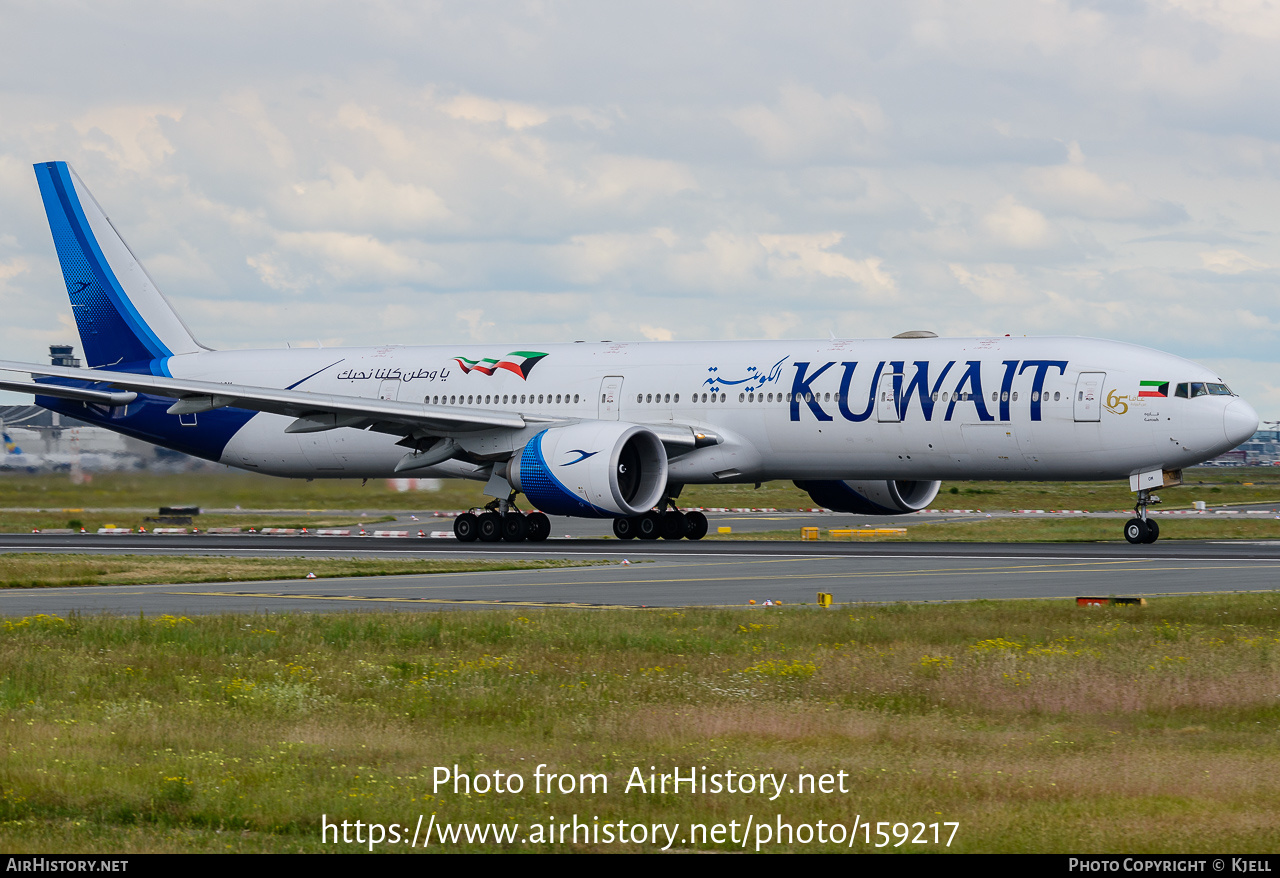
(1035, 396)
(1004, 396)
(1015, 396)
(742, 397)
(1056, 396)
(667, 398)
(677, 397)
(993, 396)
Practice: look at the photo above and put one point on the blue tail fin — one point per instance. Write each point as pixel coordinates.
(121, 315)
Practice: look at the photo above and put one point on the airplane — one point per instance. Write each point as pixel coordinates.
(14, 458)
(617, 429)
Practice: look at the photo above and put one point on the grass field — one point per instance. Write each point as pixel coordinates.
(1037, 726)
(54, 493)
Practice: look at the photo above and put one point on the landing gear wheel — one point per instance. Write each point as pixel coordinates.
(490, 527)
(465, 527)
(674, 526)
(1135, 530)
(539, 527)
(696, 525)
(624, 528)
(649, 526)
(1153, 531)
(514, 527)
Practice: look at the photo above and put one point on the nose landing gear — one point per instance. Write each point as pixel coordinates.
(1142, 529)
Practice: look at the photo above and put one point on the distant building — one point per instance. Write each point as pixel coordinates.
(1262, 449)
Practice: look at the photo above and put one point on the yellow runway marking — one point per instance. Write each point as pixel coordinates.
(430, 584)
(384, 600)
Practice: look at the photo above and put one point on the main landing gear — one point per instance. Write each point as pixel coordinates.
(501, 521)
(670, 525)
(1142, 529)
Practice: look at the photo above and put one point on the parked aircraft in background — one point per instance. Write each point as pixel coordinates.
(617, 429)
(14, 458)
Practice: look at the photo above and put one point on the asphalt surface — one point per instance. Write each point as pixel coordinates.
(659, 573)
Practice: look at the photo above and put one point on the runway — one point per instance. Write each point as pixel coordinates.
(660, 574)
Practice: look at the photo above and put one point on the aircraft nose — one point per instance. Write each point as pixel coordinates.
(1240, 421)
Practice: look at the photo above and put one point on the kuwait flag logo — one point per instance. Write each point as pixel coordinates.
(519, 362)
(1158, 389)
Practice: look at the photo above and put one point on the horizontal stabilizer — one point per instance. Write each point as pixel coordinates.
(80, 394)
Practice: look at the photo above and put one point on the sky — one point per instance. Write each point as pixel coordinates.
(524, 173)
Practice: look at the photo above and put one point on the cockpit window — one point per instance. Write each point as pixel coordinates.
(1186, 390)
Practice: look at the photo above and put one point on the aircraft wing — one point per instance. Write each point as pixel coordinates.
(314, 411)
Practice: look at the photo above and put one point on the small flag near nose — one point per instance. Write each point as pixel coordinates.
(1153, 388)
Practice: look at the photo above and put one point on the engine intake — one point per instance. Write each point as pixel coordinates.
(595, 469)
(894, 497)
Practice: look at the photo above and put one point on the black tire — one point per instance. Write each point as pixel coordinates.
(539, 527)
(1135, 530)
(695, 525)
(1153, 531)
(514, 527)
(649, 526)
(624, 528)
(490, 527)
(466, 528)
(673, 526)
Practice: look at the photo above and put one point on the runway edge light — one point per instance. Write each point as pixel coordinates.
(824, 599)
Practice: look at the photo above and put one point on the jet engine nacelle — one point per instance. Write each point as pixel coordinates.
(894, 497)
(598, 469)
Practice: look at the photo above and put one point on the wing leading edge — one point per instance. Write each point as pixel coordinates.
(314, 411)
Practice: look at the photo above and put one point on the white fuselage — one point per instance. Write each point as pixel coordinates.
(927, 408)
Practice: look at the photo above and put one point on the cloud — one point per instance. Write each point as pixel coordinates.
(359, 260)
(803, 124)
(1011, 224)
(1231, 262)
(994, 284)
(130, 136)
(807, 256)
(1073, 189)
(340, 199)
